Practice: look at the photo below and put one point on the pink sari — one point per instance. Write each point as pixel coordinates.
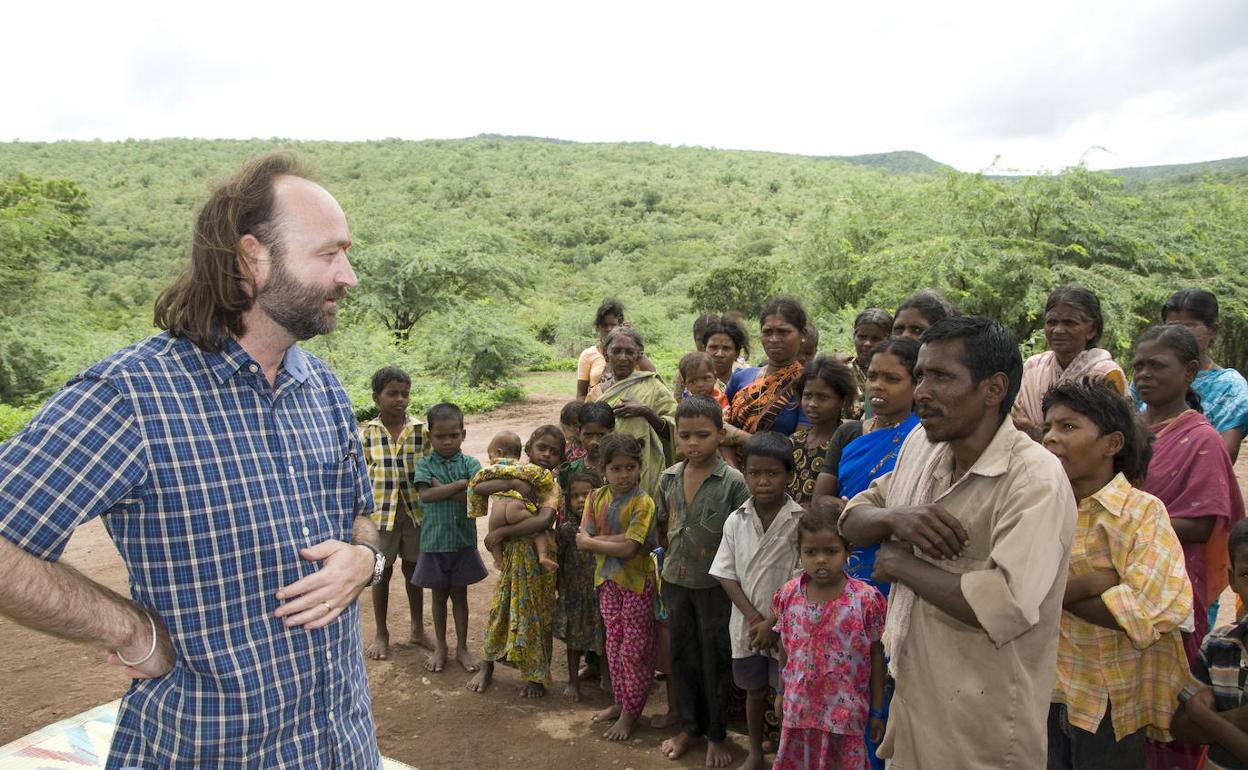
(1192, 474)
(1041, 372)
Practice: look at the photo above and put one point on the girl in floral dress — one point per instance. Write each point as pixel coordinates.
(833, 661)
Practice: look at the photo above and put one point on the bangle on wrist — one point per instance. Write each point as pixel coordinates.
(151, 650)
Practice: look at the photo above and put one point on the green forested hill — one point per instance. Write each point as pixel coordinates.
(480, 255)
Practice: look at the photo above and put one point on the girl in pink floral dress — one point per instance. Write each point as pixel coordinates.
(829, 626)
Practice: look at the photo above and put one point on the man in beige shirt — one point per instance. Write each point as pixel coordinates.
(977, 521)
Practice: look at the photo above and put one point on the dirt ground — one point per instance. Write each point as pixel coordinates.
(429, 721)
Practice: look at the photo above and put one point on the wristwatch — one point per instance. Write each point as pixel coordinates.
(379, 564)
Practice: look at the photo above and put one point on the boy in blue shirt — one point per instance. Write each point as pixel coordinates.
(449, 561)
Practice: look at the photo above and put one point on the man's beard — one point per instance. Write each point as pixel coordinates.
(297, 308)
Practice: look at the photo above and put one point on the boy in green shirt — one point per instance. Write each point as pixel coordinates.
(695, 498)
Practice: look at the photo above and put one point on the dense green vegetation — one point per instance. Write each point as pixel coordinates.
(481, 257)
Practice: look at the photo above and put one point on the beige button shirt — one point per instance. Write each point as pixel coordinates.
(972, 698)
(760, 561)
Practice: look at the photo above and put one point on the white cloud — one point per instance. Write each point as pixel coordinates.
(1151, 81)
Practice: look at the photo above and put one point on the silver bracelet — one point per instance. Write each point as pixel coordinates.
(150, 652)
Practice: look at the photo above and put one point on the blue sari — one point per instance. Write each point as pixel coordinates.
(863, 460)
(1223, 398)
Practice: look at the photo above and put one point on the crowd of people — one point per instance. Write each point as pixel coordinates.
(924, 551)
(924, 537)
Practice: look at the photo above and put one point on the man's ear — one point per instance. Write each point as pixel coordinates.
(250, 252)
(995, 386)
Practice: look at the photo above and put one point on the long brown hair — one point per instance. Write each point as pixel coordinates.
(206, 302)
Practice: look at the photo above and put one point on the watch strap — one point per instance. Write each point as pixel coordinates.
(379, 563)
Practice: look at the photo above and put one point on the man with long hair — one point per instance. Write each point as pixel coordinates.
(226, 466)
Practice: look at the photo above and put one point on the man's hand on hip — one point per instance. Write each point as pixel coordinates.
(315, 600)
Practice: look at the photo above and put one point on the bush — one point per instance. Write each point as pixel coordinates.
(13, 419)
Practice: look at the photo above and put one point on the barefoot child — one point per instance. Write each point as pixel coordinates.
(578, 623)
(830, 627)
(518, 632)
(698, 374)
(449, 561)
(510, 506)
(618, 527)
(826, 390)
(754, 559)
(695, 498)
(391, 444)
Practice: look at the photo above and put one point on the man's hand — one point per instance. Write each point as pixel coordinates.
(315, 600)
(161, 661)
(930, 527)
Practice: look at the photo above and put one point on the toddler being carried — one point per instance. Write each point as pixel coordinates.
(511, 506)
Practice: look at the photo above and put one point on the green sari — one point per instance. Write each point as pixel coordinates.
(656, 452)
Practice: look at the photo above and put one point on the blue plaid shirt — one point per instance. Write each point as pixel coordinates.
(209, 482)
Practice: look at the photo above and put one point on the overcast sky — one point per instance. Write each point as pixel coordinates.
(1038, 85)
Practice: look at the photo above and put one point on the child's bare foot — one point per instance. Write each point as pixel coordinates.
(380, 648)
(549, 564)
(622, 730)
(607, 714)
(755, 761)
(717, 754)
(465, 659)
(532, 690)
(664, 721)
(573, 691)
(419, 638)
(436, 660)
(588, 671)
(481, 681)
(676, 746)
(498, 561)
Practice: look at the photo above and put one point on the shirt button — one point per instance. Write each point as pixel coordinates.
(291, 470)
(306, 531)
(253, 368)
(329, 655)
(331, 715)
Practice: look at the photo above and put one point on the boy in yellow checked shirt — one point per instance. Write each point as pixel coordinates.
(1120, 658)
(392, 442)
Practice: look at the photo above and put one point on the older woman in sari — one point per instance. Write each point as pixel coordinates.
(762, 398)
(643, 405)
(1192, 474)
(1073, 324)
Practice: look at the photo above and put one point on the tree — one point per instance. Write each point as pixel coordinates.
(744, 286)
(405, 283)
